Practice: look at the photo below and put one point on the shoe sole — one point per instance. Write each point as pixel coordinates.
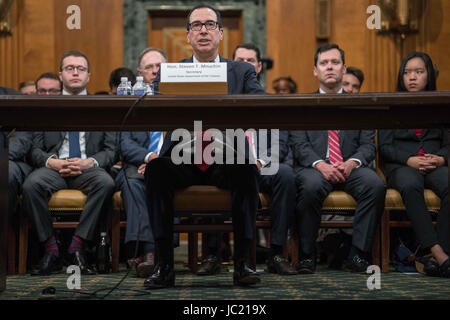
(247, 281)
(159, 286)
(305, 271)
(211, 273)
(275, 271)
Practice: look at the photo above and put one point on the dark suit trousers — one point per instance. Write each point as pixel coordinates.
(135, 208)
(38, 188)
(162, 179)
(411, 183)
(363, 184)
(281, 187)
(15, 177)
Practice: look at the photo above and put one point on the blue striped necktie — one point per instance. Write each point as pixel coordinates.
(154, 141)
(74, 145)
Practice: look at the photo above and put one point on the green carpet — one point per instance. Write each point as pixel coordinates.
(324, 284)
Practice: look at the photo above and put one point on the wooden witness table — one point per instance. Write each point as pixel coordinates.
(167, 112)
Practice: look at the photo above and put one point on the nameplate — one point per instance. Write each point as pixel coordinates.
(194, 72)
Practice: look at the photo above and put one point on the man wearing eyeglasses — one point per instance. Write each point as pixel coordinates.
(69, 160)
(48, 84)
(163, 177)
(149, 63)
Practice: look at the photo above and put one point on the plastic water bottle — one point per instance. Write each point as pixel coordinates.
(129, 88)
(149, 89)
(139, 87)
(103, 255)
(122, 88)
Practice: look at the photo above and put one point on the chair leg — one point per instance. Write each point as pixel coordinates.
(376, 247)
(385, 241)
(115, 239)
(293, 248)
(11, 249)
(253, 249)
(23, 244)
(193, 251)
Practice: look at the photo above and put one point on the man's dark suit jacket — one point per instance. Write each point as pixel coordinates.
(99, 145)
(8, 91)
(20, 144)
(396, 146)
(285, 151)
(241, 78)
(134, 148)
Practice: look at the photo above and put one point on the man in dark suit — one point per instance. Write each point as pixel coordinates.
(335, 159)
(281, 187)
(163, 177)
(19, 145)
(69, 160)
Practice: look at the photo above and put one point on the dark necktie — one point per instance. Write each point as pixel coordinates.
(204, 166)
(418, 133)
(74, 144)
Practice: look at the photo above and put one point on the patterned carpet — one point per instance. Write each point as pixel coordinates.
(324, 284)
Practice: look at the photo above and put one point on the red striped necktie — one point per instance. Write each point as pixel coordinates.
(335, 154)
(418, 133)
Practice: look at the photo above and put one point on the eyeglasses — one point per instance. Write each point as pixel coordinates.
(209, 25)
(150, 67)
(71, 68)
(49, 91)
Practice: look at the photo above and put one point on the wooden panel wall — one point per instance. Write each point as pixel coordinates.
(40, 37)
(291, 42)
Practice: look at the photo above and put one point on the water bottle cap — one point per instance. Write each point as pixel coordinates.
(140, 78)
(123, 79)
(103, 234)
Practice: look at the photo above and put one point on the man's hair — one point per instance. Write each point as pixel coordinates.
(49, 75)
(357, 73)
(431, 77)
(292, 83)
(26, 84)
(200, 6)
(116, 74)
(249, 46)
(150, 49)
(73, 53)
(327, 47)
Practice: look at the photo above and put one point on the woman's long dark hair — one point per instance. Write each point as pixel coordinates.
(431, 78)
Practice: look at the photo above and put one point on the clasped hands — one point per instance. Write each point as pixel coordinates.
(337, 172)
(426, 163)
(71, 167)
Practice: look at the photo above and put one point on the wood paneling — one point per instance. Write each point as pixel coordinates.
(291, 42)
(40, 37)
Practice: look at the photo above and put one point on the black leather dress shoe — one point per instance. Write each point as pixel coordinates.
(49, 264)
(306, 266)
(163, 277)
(79, 259)
(244, 275)
(278, 264)
(356, 264)
(209, 266)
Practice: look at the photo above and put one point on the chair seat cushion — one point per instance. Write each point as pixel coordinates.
(70, 200)
(339, 200)
(394, 200)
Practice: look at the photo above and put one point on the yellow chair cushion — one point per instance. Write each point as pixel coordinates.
(339, 200)
(394, 200)
(67, 200)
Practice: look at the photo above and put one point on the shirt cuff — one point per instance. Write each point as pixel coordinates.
(53, 156)
(357, 160)
(316, 162)
(146, 160)
(263, 163)
(95, 162)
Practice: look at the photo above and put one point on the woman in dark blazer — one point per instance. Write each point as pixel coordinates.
(415, 159)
